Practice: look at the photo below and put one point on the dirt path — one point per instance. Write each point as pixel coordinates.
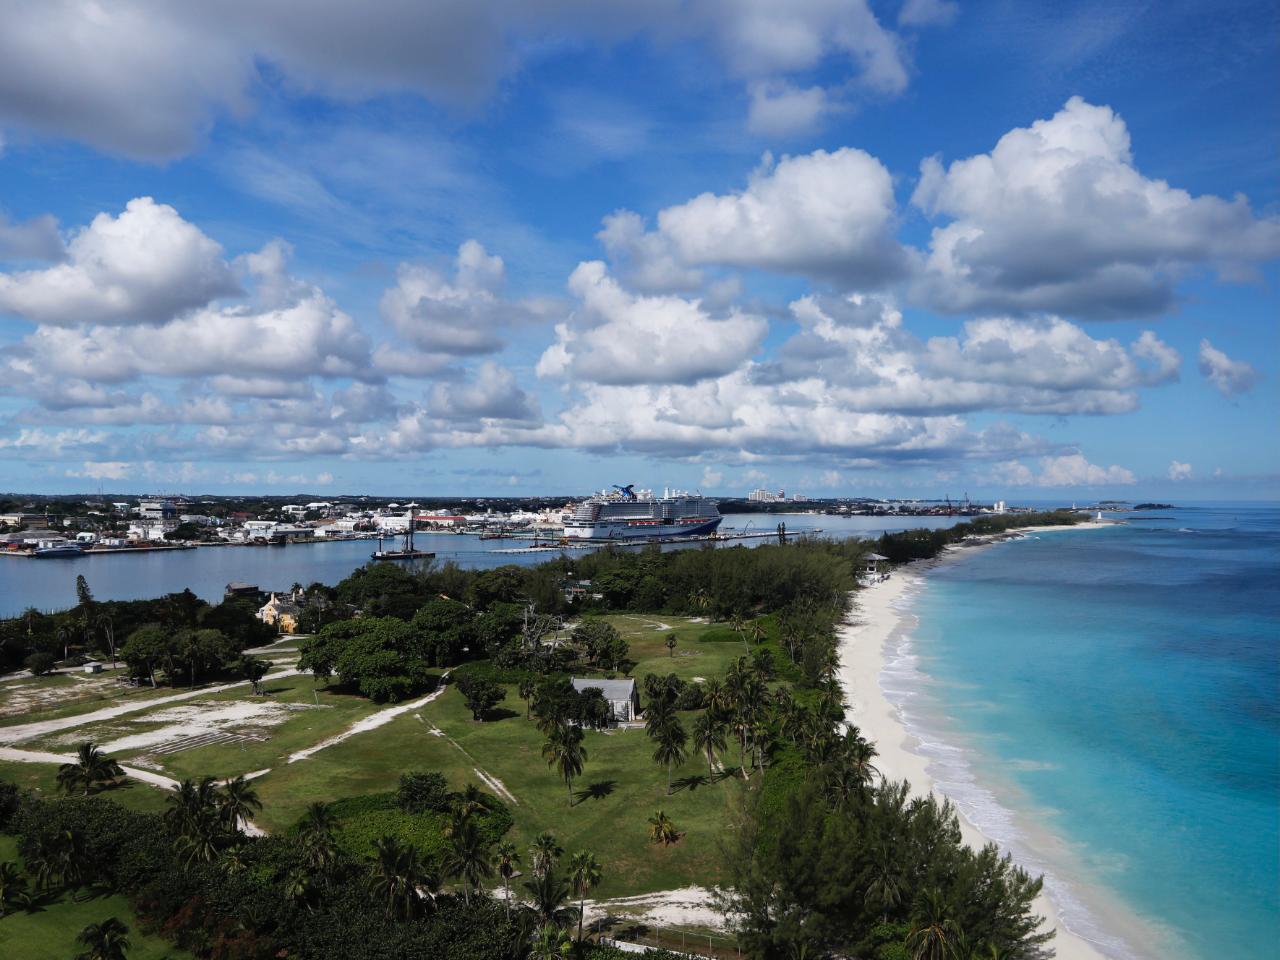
(29, 731)
(492, 782)
(372, 722)
(143, 776)
(688, 907)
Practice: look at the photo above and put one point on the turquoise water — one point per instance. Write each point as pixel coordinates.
(1105, 703)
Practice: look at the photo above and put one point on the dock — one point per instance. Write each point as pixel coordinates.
(641, 541)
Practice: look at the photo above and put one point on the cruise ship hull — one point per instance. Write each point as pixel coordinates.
(639, 529)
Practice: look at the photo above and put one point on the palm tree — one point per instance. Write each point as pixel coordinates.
(661, 829)
(505, 860)
(564, 751)
(739, 626)
(194, 814)
(552, 943)
(671, 644)
(238, 803)
(550, 894)
(57, 860)
(526, 688)
(398, 874)
(467, 857)
(670, 740)
(708, 736)
(584, 874)
(933, 936)
(107, 940)
(757, 632)
(716, 697)
(13, 887)
(315, 830)
(470, 801)
(700, 600)
(64, 634)
(544, 853)
(91, 768)
(885, 888)
(108, 627)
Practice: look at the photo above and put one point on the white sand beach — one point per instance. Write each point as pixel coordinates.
(876, 619)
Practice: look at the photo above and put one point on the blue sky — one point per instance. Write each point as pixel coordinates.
(842, 247)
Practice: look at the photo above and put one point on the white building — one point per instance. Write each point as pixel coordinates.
(152, 530)
(767, 496)
(157, 509)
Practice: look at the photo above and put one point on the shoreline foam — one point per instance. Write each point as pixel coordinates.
(882, 626)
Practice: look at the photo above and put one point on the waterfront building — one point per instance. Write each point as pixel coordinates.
(157, 509)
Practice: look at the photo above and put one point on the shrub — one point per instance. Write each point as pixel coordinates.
(10, 797)
(362, 820)
(39, 663)
(481, 695)
(421, 791)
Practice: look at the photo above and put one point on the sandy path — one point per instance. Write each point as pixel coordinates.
(29, 731)
(144, 776)
(862, 660)
(372, 722)
(687, 907)
(491, 781)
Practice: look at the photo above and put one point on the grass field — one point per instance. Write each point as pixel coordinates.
(43, 779)
(49, 932)
(620, 789)
(621, 786)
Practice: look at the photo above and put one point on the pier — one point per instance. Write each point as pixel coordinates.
(583, 544)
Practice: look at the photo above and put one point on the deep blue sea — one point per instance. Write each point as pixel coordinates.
(1107, 704)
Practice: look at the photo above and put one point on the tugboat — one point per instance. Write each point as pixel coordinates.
(409, 552)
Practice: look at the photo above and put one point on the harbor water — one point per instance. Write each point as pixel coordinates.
(206, 571)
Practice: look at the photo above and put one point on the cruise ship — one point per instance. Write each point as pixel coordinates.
(624, 514)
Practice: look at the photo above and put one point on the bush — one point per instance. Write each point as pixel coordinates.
(422, 791)
(481, 695)
(690, 697)
(39, 663)
(10, 797)
(362, 820)
(720, 635)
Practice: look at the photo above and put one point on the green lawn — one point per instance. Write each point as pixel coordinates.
(49, 933)
(42, 778)
(694, 656)
(620, 789)
(325, 714)
(330, 713)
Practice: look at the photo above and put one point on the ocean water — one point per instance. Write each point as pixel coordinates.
(1106, 703)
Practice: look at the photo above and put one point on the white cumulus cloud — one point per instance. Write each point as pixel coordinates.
(145, 266)
(1058, 218)
(1179, 470)
(617, 337)
(1228, 376)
